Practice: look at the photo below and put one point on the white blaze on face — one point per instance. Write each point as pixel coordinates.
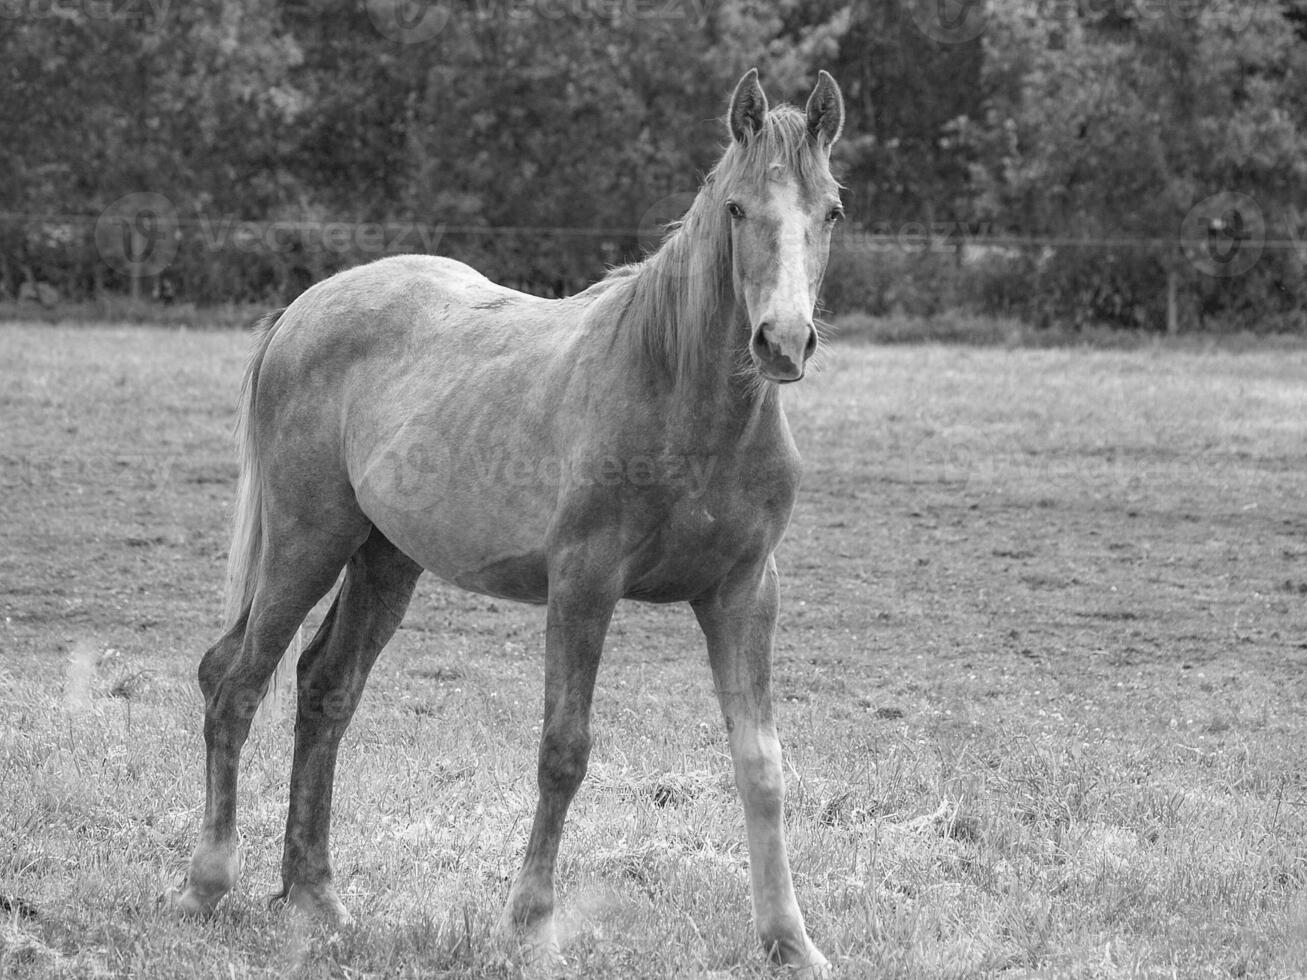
(782, 320)
(790, 300)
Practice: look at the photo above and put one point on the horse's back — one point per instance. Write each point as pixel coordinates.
(410, 319)
(414, 286)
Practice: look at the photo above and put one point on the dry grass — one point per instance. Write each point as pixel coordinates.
(1041, 673)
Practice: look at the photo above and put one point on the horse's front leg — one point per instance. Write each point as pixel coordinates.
(739, 622)
(576, 623)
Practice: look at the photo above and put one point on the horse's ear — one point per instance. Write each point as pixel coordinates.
(825, 111)
(748, 107)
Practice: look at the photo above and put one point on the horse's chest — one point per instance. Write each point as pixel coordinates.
(700, 540)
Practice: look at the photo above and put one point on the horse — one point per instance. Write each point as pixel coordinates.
(650, 460)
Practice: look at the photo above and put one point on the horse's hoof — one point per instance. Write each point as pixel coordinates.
(543, 962)
(535, 948)
(816, 968)
(186, 902)
(799, 958)
(317, 902)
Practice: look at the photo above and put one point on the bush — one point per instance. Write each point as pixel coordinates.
(1081, 287)
(891, 279)
(1071, 288)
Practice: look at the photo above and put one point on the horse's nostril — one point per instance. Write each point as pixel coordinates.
(766, 348)
(811, 344)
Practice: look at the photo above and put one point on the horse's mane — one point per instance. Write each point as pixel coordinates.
(686, 285)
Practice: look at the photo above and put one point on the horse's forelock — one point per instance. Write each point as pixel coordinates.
(782, 147)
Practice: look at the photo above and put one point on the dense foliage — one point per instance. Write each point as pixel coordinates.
(1063, 160)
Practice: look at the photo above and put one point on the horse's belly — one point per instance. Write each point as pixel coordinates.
(522, 578)
(488, 561)
(678, 579)
(484, 535)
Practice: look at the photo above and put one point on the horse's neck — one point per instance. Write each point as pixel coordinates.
(711, 395)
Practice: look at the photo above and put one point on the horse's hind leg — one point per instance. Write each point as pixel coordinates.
(379, 582)
(295, 570)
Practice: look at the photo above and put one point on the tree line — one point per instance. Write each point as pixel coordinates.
(1135, 162)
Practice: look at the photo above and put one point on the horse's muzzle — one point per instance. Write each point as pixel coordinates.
(782, 354)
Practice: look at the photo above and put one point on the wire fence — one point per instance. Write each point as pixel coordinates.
(143, 247)
(224, 231)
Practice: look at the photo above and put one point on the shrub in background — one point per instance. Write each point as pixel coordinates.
(1076, 288)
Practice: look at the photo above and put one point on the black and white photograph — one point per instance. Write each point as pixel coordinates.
(630, 489)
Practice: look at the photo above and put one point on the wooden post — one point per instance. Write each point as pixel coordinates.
(135, 263)
(1172, 315)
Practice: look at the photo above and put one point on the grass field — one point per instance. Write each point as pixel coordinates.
(1043, 670)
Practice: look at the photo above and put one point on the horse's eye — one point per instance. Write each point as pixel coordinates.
(735, 210)
(835, 214)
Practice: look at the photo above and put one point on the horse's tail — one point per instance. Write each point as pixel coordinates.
(247, 526)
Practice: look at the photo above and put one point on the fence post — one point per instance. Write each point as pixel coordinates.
(135, 266)
(1172, 315)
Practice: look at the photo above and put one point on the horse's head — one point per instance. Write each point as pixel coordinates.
(776, 186)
